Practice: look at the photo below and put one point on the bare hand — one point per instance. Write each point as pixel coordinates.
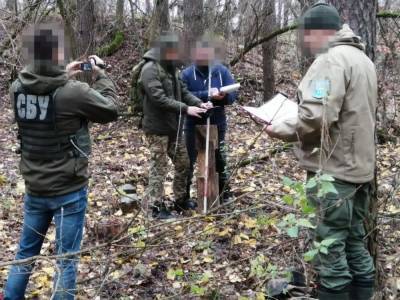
(73, 69)
(270, 132)
(219, 96)
(207, 105)
(195, 111)
(96, 62)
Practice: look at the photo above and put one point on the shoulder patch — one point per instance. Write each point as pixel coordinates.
(321, 88)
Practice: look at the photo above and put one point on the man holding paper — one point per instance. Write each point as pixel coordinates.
(335, 129)
(206, 80)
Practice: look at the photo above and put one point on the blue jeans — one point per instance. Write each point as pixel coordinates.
(69, 215)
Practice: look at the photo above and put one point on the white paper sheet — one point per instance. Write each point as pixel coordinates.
(277, 109)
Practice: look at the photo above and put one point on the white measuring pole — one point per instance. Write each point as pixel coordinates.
(205, 199)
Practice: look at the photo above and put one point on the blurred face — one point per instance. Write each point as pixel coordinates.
(202, 56)
(171, 54)
(315, 40)
(44, 43)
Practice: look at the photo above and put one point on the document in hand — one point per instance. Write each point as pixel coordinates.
(278, 109)
(230, 88)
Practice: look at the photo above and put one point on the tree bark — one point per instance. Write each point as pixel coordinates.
(269, 51)
(286, 14)
(12, 6)
(85, 27)
(120, 15)
(193, 21)
(69, 29)
(159, 20)
(361, 16)
(148, 7)
(209, 14)
(85, 32)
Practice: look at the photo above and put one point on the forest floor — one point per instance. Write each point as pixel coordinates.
(229, 254)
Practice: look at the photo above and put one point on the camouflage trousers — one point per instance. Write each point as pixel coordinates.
(161, 149)
(342, 216)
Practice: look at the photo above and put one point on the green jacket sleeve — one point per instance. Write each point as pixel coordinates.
(96, 104)
(152, 85)
(321, 94)
(187, 96)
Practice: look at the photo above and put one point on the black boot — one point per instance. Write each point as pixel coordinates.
(224, 192)
(327, 294)
(185, 204)
(361, 289)
(161, 212)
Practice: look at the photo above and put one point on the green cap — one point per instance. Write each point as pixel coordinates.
(321, 16)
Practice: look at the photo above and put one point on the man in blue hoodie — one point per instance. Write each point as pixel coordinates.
(204, 78)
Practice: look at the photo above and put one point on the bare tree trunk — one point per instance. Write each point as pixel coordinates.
(227, 16)
(305, 4)
(85, 27)
(133, 11)
(85, 32)
(279, 13)
(305, 62)
(388, 5)
(159, 20)
(120, 15)
(12, 6)
(361, 16)
(269, 51)
(209, 14)
(286, 13)
(69, 29)
(163, 10)
(148, 7)
(193, 22)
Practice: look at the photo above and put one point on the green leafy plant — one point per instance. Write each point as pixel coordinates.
(298, 199)
(199, 282)
(320, 247)
(172, 274)
(291, 224)
(260, 269)
(321, 185)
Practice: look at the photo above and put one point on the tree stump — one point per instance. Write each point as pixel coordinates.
(212, 186)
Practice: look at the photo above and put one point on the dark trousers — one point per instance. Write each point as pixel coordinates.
(341, 217)
(220, 155)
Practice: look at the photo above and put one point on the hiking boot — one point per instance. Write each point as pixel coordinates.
(161, 212)
(362, 289)
(182, 205)
(327, 294)
(226, 197)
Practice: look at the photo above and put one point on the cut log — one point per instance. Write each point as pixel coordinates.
(212, 187)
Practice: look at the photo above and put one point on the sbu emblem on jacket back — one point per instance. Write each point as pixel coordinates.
(34, 108)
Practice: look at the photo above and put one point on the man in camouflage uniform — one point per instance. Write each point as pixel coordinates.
(337, 101)
(165, 104)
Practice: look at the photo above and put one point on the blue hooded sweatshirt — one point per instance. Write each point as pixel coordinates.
(197, 84)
